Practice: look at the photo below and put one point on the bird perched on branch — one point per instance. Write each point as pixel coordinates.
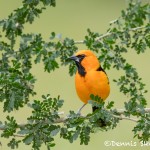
(90, 78)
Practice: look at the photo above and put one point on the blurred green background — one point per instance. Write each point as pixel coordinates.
(71, 18)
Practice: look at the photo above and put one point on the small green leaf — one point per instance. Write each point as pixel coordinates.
(13, 144)
(52, 35)
(110, 105)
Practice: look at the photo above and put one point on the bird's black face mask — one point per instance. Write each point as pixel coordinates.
(78, 60)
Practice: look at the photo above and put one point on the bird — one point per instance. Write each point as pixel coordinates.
(90, 77)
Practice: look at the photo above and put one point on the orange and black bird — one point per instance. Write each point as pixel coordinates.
(90, 78)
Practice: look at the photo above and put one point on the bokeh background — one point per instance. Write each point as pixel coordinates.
(71, 19)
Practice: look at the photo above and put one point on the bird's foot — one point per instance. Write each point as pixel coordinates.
(79, 110)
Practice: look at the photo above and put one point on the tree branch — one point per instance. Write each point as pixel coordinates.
(110, 33)
(64, 119)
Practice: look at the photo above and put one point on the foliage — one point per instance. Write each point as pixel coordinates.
(131, 30)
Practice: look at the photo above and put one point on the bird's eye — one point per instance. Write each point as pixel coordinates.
(81, 56)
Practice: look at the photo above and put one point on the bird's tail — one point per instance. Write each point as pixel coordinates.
(101, 122)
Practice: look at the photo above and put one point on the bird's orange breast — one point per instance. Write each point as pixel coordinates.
(94, 82)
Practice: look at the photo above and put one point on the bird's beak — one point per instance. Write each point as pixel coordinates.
(74, 58)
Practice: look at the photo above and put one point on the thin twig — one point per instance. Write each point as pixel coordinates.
(104, 35)
(79, 42)
(18, 135)
(137, 28)
(121, 111)
(121, 117)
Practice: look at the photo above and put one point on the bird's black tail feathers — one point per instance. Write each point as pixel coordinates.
(101, 122)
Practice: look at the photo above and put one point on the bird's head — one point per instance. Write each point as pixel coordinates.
(85, 61)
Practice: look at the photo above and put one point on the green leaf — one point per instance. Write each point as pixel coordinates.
(54, 132)
(28, 139)
(24, 131)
